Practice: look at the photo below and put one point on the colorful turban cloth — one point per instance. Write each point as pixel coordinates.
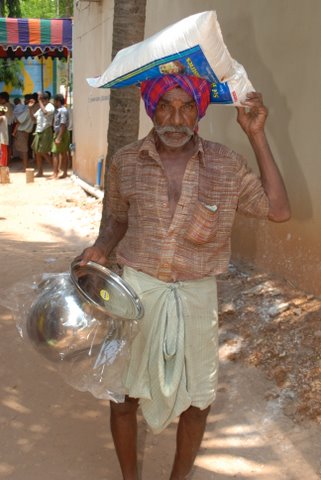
(199, 88)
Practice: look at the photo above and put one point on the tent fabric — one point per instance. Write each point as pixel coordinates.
(21, 37)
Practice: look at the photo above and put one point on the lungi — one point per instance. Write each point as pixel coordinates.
(63, 146)
(174, 357)
(42, 142)
(21, 141)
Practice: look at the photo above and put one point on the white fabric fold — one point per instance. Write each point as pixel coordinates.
(174, 357)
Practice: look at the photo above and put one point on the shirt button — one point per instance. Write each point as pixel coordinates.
(165, 265)
(164, 204)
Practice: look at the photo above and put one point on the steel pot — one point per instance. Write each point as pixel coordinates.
(76, 312)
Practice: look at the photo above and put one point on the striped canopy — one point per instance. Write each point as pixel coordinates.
(31, 37)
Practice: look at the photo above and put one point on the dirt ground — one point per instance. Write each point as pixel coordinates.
(266, 421)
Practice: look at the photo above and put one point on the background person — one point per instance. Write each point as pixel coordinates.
(22, 130)
(43, 136)
(5, 102)
(4, 137)
(60, 144)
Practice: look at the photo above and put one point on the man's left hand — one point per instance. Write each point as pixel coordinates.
(253, 114)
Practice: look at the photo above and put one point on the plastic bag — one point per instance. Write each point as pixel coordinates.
(89, 348)
(192, 46)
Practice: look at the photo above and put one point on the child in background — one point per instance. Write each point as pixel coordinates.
(4, 137)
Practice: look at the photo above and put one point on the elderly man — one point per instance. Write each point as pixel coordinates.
(172, 199)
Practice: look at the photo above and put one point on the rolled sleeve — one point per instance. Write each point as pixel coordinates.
(253, 200)
(64, 117)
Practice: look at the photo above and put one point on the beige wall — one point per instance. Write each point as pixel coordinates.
(93, 22)
(278, 43)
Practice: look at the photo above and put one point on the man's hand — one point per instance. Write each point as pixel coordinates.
(93, 254)
(105, 243)
(253, 114)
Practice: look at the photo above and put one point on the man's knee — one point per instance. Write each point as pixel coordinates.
(128, 407)
(196, 414)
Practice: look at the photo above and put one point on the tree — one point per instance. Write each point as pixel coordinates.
(10, 70)
(46, 8)
(123, 126)
(10, 8)
(10, 73)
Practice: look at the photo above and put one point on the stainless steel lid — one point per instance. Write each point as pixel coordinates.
(106, 290)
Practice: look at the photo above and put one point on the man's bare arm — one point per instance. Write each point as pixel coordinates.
(105, 243)
(252, 119)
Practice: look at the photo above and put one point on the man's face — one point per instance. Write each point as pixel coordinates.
(175, 118)
(44, 100)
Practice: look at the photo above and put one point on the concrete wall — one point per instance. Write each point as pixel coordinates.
(92, 40)
(278, 43)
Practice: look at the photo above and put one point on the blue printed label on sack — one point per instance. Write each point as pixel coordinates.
(189, 62)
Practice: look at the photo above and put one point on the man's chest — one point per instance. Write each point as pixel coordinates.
(152, 191)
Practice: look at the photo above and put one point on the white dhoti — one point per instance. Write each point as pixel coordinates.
(174, 357)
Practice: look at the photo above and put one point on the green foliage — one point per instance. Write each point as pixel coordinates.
(36, 8)
(10, 8)
(10, 73)
(46, 8)
(13, 7)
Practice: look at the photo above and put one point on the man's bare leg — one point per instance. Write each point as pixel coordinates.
(39, 165)
(55, 166)
(48, 158)
(123, 424)
(24, 157)
(64, 164)
(190, 432)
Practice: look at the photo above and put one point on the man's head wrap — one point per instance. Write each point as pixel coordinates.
(198, 88)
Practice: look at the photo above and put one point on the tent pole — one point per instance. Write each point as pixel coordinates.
(68, 74)
(42, 83)
(54, 79)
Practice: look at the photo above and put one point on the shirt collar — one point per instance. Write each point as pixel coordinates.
(148, 147)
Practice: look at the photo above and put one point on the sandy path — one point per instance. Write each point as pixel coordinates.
(50, 431)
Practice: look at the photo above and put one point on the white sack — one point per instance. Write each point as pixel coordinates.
(192, 46)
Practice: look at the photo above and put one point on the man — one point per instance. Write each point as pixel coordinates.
(172, 198)
(22, 131)
(42, 142)
(60, 144)
(4, 137)
(5, 102)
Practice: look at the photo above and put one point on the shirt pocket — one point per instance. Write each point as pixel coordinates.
(203, 224)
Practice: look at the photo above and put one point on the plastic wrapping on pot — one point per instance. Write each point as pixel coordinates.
(82, 322)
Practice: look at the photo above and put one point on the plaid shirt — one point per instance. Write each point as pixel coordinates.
(196, 242)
